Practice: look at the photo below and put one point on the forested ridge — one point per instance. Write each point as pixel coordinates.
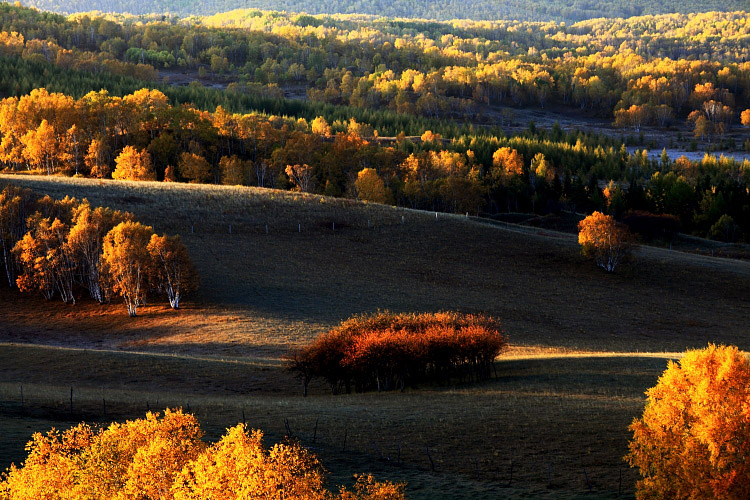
(374, 127)
(524, 10)
(636, 72)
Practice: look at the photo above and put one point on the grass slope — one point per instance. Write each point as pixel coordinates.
(555, 409)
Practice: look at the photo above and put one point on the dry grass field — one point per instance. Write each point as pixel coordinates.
(552, 425)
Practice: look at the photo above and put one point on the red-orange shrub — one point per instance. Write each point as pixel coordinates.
(386, 351)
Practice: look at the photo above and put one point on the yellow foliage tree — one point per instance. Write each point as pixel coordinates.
(50, 469)
(320, 126)
(239, 467)
(164, 458)
(359, 129)
(40, 147)
(85, 240)
(602, 239)
(132, 165)
(693, 440)
(137, 459)
(370, 187)
(126, 262)
(234, 171)
(194, 167)
(542, 168)
(508, 162)
(96, 159)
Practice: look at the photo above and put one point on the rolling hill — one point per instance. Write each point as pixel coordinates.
(278, 268)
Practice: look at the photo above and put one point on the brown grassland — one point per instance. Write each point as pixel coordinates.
(585, 344)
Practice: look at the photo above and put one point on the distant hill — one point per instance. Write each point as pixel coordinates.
(522, 10)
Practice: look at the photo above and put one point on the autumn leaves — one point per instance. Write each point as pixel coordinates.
(387, 351)
(693, 439)
(163, 457)
(604, 240)
(58, 246)
(136, 260)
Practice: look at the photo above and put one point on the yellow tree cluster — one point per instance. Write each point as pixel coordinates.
(57, 246)
(602, 239)
(693, 440)
(162, 457)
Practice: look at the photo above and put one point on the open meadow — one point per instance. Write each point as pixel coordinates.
(278, 268)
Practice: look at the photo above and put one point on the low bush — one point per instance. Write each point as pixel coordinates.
(387, 351)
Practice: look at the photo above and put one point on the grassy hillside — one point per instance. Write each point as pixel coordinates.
(560, 404)
(284, 287)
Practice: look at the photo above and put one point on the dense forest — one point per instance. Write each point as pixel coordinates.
(524, 10)
(373, 126)
(141, 136)
(657, 71)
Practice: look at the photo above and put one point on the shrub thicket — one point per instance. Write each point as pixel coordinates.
(386, 351)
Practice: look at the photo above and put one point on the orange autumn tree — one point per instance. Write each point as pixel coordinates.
(302, 176)
(173, 270)
(602, 239)
(163, 457)
(126, 262)
(693, 440)
(507, 172)
(16, 205)
(41, 147)
(47, 260)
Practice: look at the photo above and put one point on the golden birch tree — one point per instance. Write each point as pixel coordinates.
(126, 262)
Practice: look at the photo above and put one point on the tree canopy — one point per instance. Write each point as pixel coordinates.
(694, 436)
